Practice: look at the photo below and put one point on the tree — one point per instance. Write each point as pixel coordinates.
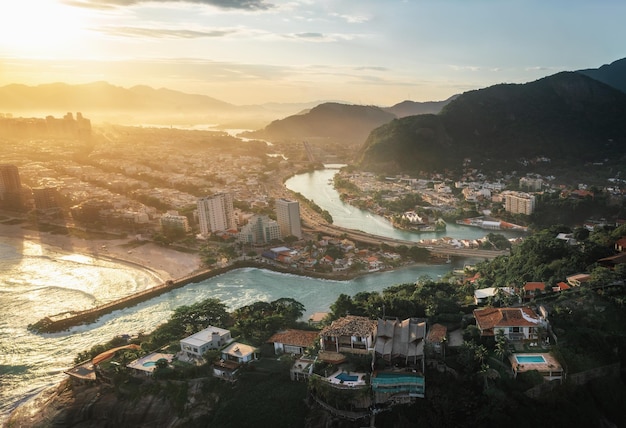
(191, 319)
(502, 345)
(258, 321)
(342, 306)
(290, 309)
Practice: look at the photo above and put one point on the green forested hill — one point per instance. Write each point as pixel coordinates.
(334, 121)
(613, 74)
(567, 117)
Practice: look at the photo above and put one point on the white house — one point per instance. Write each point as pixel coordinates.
(293, 341)
(197, 344)
(517, 324)
(483, 294)
(233, 357)
(239, 353)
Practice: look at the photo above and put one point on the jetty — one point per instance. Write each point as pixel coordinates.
(65, 320)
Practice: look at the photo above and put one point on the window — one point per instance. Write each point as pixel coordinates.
(290, 349)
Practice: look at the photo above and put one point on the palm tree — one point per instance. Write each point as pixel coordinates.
(502, 348)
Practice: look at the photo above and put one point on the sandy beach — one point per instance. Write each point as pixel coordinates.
(164, 262)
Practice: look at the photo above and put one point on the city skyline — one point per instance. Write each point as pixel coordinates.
(256, 51)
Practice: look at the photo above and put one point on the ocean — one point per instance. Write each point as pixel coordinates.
(38, 280)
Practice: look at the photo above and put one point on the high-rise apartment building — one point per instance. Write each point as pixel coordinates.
(10, 187)
(519, 202)
(173, 221)
(288, 217)
(46, 199)
(216, 213)
(260, 230)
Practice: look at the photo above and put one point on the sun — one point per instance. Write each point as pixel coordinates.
(38, 28)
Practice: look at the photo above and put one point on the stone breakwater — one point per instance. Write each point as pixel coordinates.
(66, 320)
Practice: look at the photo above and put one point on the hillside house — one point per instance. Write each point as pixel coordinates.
(578, 279)
(233, 357)
(532, 290)
(437, 337)
(197, 344)
(517, 324)
(400, 341)
(482, 295)
(350, 334)
(293, 341)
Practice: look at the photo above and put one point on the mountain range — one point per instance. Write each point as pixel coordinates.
(337, 122)
(567, 117)
(571, 116)
(613, 74)
(101, 101)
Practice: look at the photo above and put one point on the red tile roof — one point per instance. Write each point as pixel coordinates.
(489, 318)
(295, 337)
(532, 286)
(562, 286)
(437, 333)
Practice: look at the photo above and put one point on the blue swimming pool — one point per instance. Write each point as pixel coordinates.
(346, 377)
(149, 364)
(383, 378)
(530, 359)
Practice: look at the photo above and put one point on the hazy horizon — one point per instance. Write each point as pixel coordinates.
(263, 51)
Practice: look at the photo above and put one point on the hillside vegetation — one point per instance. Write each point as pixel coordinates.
(568, 117)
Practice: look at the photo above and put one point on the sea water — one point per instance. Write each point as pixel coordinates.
(37, 281)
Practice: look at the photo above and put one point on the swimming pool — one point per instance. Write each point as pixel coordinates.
(383, 378)
(345, 377)
(149, 364)
(530, 359)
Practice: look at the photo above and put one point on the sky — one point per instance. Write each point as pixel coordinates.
(373, 52)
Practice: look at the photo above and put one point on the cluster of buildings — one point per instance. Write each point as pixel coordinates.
(66, 127)
(375, 364)
(216, 213)
(473, 187)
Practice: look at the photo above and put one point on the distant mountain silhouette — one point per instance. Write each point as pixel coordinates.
(334, 121)
(613, 74)
(102, 101)
(566, 117)
(102, 96)
(412, 108)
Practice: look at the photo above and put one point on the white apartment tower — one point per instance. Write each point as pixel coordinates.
(216, 213)
(259, 230)
(288, 217)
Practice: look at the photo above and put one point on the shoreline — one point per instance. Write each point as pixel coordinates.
(168, 267)
(161, 262)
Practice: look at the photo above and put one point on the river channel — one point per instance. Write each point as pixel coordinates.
(317, 186)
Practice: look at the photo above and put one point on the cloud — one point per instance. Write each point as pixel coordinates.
(309, 35)
(465, 68)
(162, 33)
(352, 19)
(372, 68)
(222, 4)
(318, 37)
